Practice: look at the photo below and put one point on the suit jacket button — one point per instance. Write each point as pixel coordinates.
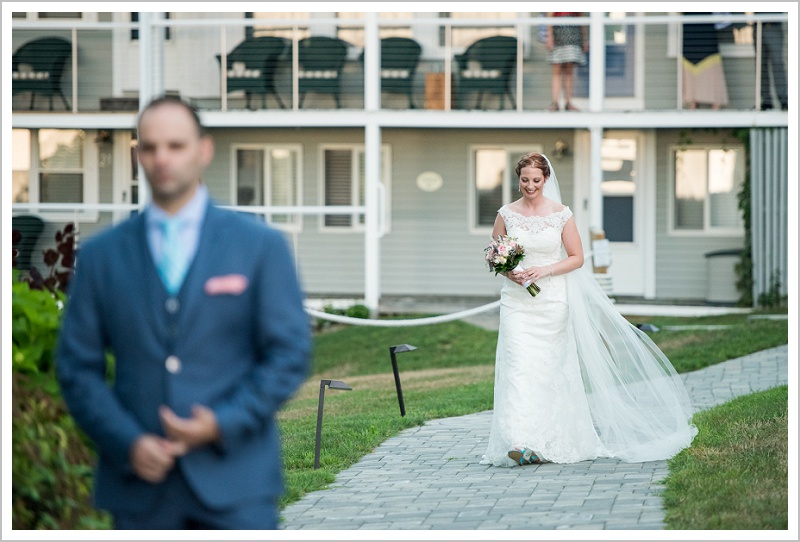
(172, 305)
(173, 364)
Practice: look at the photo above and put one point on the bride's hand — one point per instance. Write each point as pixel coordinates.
(531, 274)
(520, 277)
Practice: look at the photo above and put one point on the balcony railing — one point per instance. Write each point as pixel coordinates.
(230, 64)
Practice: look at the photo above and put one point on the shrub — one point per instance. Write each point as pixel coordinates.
(51, 459)
(35, 320)
(51, 463)
(357, 311)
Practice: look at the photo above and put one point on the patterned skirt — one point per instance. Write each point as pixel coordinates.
(567, 46)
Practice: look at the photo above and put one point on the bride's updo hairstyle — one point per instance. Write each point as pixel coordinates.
(536, 160)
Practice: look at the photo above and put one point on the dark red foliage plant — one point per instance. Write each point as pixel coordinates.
(60, 262)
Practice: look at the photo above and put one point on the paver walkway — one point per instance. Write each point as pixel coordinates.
(429, 477)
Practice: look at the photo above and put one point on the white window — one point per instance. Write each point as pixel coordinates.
(494, 183)
(55, 166)
(343, 180)
(267, 175)
(706, 187)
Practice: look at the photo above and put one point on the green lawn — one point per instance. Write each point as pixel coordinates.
(735, 475)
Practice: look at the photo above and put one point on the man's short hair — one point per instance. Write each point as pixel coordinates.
(173, 100)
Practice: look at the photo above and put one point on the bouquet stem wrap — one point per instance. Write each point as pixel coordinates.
(532, 288)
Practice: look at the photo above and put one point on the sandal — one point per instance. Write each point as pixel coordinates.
(553, 107)
(523, 456)
(570, 107)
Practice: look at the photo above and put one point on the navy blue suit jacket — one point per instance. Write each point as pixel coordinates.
(242, 354)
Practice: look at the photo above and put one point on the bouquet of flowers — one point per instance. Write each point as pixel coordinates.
(505, 254)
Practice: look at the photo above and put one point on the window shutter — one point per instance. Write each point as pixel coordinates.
(338, 184)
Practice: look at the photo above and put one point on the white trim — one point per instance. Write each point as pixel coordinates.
(507, 190)
(649, 206)
(296, 226)
(685, 119)
(707, 231)
(86, 17)
(581, 189)
(385, 183)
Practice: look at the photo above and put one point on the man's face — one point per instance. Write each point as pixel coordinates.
(172, 153)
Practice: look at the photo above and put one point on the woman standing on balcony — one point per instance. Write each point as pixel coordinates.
(566, 46)
(703, 77)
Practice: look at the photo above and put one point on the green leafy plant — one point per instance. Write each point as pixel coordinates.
(51, 463)
(51, 458)
(357, 311)
(744, 268)
(36, 317)
(353, 311)
(772, 297)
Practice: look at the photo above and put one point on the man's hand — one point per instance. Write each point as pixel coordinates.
(152, 457)
(199, 430)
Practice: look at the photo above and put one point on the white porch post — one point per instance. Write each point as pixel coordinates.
(145, 86)
(597, 95)
(597, 61)
(151, 75)
(596, 177)
(157, 65)
(372, 157)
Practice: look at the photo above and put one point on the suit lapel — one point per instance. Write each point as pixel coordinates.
(192, 290)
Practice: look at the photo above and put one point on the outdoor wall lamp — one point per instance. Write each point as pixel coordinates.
(561, 149)
(398, 349)
(334, 385)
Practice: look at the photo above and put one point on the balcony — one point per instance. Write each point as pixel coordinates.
(634, 65)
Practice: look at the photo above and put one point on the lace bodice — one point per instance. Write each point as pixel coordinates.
(539, 235)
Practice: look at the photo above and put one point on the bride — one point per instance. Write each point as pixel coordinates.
(574, 380)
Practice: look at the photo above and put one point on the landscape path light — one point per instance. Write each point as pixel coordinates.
(398, 349)
(334, 385)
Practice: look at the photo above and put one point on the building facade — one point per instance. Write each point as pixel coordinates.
(385, 167)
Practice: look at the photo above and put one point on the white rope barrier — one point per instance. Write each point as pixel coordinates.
(403, 323)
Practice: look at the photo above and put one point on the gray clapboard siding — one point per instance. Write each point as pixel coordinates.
(681, 265)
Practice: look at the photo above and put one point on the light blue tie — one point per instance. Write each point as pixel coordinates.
(173, 264)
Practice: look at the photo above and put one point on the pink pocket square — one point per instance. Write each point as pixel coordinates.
(226, 284)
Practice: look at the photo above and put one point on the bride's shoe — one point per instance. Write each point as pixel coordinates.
(523, 456)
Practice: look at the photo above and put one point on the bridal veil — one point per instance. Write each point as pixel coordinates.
(639, 405)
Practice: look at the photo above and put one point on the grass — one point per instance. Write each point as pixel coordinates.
(735, 475)
(691, 350)
(450, 374)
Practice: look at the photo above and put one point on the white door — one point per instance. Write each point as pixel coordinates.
(629, 211)
(628, 188)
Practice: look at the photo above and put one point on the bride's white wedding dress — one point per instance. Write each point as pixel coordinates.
(573, 379)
